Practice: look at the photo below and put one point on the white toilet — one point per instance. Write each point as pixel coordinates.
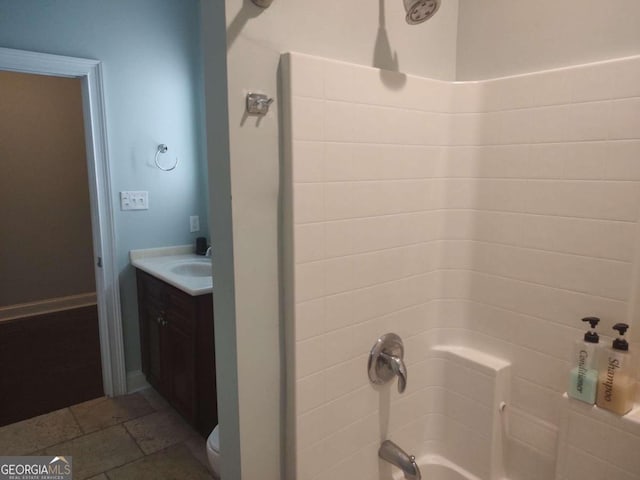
(213, 452)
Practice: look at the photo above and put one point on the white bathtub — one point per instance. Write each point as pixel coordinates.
(435, 467)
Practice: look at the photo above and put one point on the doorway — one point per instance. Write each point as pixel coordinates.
(47, 300)
(89, 74)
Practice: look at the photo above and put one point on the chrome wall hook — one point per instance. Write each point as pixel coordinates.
(258, 103)
(162, 148)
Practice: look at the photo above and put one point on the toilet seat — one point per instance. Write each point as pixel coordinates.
(213, 451)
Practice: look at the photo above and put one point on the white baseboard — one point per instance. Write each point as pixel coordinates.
(136, 381)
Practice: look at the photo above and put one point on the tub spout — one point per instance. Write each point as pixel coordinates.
(393, 454)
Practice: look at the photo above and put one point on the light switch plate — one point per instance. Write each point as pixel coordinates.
(134, 200)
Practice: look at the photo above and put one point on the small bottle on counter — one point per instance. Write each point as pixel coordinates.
(616, 382)
(201, 246)
(583, 378)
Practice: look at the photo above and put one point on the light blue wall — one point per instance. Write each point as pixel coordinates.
(151, 56)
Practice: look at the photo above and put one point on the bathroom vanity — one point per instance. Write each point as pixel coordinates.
(177, 337)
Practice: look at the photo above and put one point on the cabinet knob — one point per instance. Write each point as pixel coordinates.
(164, 322)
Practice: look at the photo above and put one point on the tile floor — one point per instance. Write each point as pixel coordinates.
(135, 437)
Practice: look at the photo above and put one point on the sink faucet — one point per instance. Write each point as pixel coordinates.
(208, 254)
(393, 454)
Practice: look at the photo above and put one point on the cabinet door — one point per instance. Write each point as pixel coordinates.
(154, 361)
(181, 370)
(207, 408)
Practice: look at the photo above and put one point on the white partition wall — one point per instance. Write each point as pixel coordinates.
(491, 215)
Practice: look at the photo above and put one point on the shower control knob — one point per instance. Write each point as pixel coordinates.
(386, 361)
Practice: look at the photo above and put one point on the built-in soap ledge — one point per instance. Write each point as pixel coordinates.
(471, 358)
(629, 422)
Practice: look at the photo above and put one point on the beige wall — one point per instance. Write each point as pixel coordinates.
(44, 199)
(504, 37)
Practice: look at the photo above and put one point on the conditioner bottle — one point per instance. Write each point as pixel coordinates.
(583, 378)
(616, 382)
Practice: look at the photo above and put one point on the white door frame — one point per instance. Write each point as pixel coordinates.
(114, 377)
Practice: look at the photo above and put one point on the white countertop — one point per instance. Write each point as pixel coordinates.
(161, 262)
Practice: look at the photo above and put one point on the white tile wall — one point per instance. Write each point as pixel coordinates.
(612, 453)
(490, 214)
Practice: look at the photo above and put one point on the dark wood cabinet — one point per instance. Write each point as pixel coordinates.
(177, 341)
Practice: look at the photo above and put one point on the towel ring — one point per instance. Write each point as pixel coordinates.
(162, 148)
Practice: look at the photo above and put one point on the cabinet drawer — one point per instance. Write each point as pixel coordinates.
(154, 289)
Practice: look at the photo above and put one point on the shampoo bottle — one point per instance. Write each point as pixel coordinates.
(583, 379)
(616, 383)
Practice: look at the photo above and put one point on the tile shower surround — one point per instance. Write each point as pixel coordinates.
(490, 214)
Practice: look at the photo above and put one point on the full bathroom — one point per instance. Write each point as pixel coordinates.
(406, 232)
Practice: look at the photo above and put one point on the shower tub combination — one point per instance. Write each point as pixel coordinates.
(403, 211)
(50, 356)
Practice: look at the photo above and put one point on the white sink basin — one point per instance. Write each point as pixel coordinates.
(193, 269)
(189, 272)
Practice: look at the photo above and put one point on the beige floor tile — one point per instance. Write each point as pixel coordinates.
(159, 430)
(97, 452)
(156, 400)
(102, 476)
(104, 412)
(37, 433)
(173, 463)
(198, 448)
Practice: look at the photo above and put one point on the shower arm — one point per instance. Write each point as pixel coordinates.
(262, 3)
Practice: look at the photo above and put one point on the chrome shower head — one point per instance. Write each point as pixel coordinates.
(419, 11)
